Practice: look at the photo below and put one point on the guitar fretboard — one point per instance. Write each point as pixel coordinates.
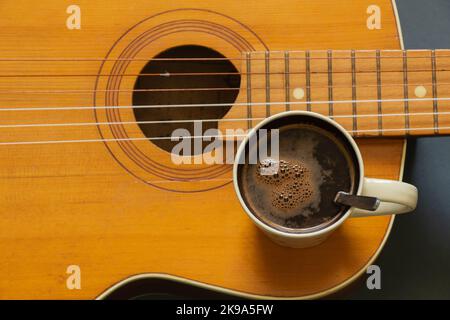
(369, 92)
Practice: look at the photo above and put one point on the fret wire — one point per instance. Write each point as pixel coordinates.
(267, 67)
(434, 84)
(354, 105)
(286, 80)
(379, 95)
(308, 80)
(405, 91)
(330, 83)
(249, 89)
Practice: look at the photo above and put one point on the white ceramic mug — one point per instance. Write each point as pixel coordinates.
(395, 196)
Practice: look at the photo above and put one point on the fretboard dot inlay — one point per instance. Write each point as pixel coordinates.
(420, 91)
(298, 93)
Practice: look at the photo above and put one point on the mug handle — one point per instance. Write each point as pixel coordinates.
(395, 196)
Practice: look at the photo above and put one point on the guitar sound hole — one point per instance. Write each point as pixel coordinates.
(174, 90)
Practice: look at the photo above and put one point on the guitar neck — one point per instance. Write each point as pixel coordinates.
(369, 92)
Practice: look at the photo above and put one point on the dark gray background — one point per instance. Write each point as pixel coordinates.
(415, 263)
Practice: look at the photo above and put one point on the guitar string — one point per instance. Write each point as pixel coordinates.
(85, 59)
(168, 74)
(9, 143)
(81, 124)
(212, 105)
(90, 91)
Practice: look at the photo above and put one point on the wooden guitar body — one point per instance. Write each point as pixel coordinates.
(123, 209)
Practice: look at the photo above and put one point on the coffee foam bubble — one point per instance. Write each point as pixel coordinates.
(293, 186)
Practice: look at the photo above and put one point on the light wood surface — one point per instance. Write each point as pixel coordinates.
(104, 208)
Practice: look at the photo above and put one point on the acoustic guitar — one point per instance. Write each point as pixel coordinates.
(91, 92)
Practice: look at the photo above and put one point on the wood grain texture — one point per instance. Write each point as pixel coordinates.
(92, 206)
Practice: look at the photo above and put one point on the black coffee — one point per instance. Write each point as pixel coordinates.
(314, 164)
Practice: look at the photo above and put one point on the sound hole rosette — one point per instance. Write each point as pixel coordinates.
(114, 87)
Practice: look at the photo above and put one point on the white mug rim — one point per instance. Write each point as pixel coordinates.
(270, 229)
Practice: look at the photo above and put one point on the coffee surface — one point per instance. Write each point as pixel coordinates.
(313, 165)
